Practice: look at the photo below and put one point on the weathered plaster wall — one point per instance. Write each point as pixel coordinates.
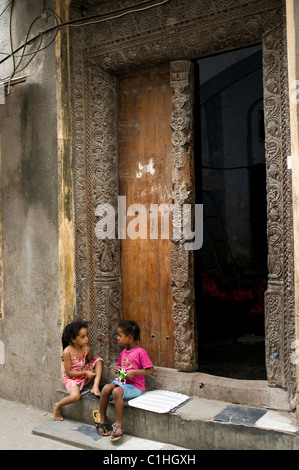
(30, 329)
(65, 180)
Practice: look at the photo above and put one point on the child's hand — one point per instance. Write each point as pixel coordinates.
(117, 369)
(130, 374)
(90, 374)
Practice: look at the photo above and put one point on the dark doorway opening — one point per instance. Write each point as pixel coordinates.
(231, 267)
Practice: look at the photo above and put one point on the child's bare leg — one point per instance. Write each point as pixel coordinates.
(73, 397)
(119, 409)
(96, 384)
(105, 394)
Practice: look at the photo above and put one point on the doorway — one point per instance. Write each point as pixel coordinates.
(201, 29)
(231, 268)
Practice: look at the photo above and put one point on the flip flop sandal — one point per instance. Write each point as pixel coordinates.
(103, 426)
(104, 429)
(96, 416)
(114, 429)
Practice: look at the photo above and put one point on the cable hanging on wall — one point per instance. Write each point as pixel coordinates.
(18, 61)
(48, 13)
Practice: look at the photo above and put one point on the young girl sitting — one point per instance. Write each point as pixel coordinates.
(76, 372)
(135, 363)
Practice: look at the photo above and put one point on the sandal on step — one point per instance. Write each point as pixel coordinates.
(102, 428)
(96, 416)
(113, 437)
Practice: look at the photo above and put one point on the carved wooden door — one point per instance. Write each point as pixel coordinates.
(195, 28)
(145, 172)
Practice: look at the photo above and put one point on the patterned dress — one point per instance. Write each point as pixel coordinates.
(78, 364)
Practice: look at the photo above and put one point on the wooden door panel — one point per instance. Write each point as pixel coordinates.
(146, 178)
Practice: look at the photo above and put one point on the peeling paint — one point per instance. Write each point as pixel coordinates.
(65, 213)
(149, 168)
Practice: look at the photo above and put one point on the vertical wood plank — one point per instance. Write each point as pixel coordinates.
(146, 178)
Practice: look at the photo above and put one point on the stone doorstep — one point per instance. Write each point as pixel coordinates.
(256, 393)
(200, 424)
(243, 392)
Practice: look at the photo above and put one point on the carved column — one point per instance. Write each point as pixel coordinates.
(96, 182)
(103, 156)
(279, 298)
(182, 271)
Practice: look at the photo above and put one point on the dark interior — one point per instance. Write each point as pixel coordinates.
(231, 267)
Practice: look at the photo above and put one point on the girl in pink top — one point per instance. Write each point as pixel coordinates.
(79, 365)
(133, 363)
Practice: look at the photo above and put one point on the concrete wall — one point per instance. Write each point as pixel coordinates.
(30, 328)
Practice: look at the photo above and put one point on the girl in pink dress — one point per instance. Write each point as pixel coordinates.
(79, 365)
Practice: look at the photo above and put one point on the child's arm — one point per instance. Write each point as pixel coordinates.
(89, 354)
(74, 373)
(131, 372)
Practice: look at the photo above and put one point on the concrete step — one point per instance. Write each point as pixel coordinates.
(199, 424)
(84, 436)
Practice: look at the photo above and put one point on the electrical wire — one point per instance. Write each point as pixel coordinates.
(6, 8)
(10, 36)
(16, 68)
(39, 48)
(121, 14)
(22, 55)
(117, 14)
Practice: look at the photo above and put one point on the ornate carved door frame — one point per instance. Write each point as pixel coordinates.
(186, 29)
